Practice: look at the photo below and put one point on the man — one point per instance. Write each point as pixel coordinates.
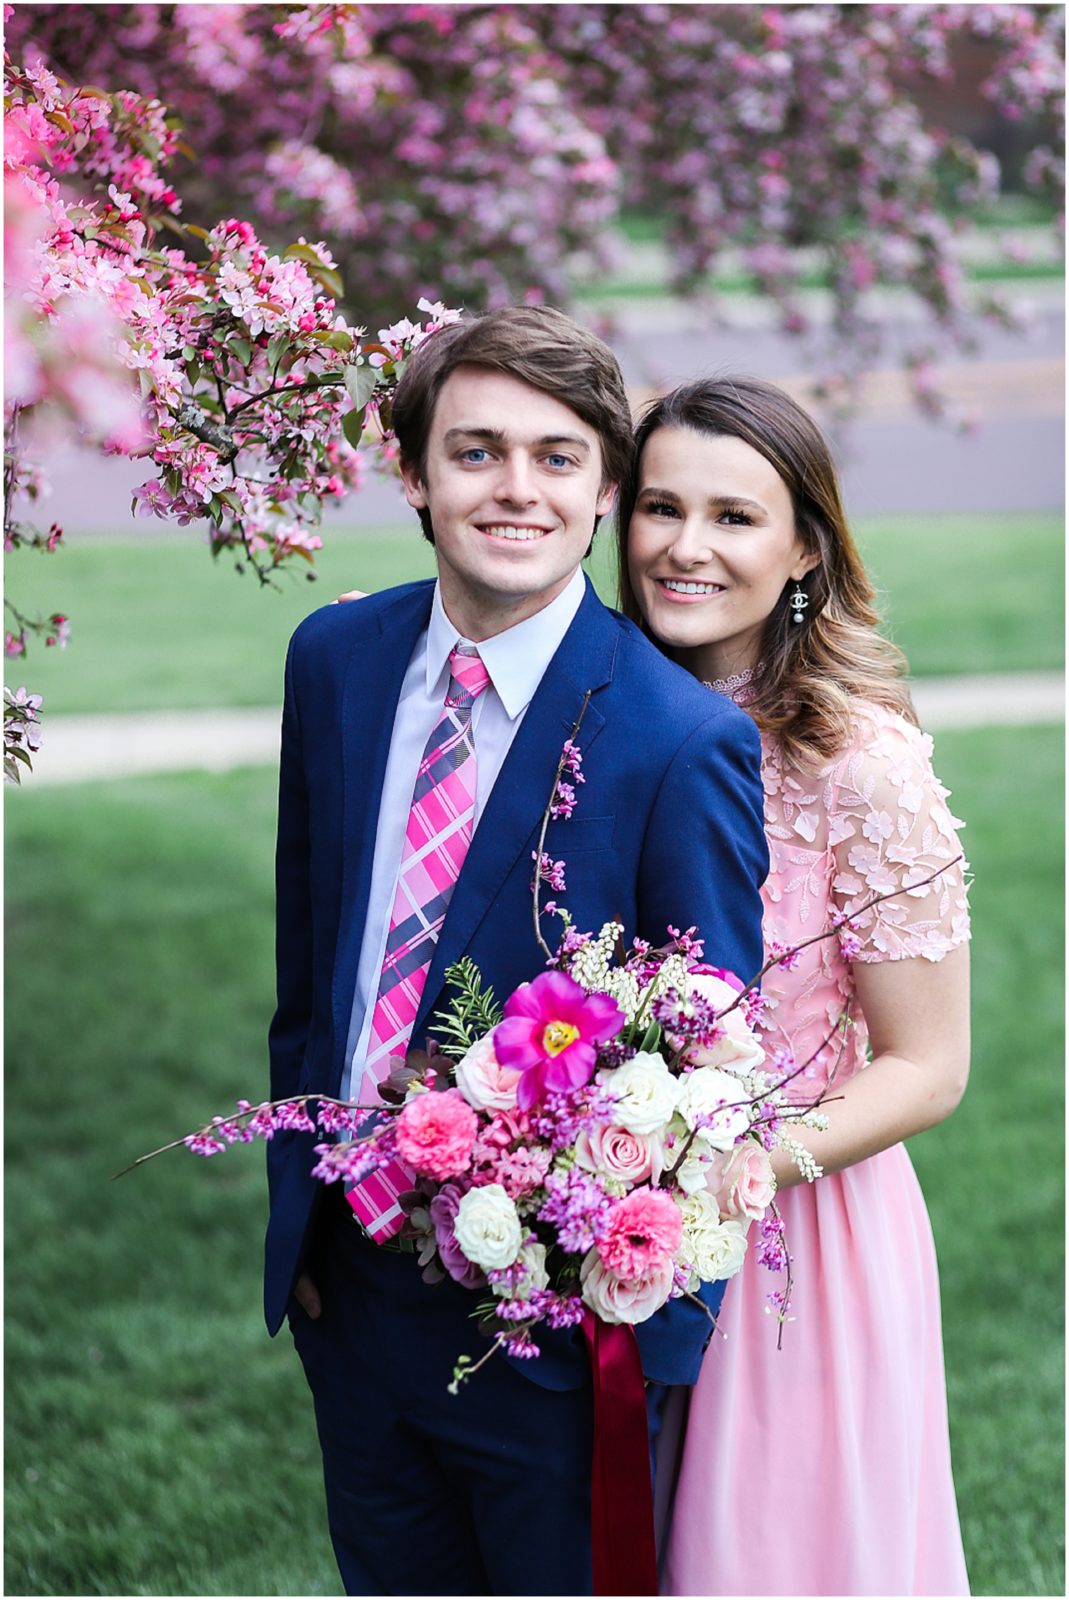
(513, 432)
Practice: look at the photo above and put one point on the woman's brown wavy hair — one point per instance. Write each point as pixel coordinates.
(809, 675)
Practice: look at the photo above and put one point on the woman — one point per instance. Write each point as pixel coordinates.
(821, 1467)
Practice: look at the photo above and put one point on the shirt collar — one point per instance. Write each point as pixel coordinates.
(515, 659)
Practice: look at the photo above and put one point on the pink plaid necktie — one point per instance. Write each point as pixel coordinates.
(436, 842)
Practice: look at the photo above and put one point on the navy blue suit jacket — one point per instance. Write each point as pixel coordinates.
(668, 829)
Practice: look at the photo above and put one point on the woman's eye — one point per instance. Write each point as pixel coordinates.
(736, 519)
(660, 508)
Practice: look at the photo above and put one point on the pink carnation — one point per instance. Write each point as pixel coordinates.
(642, 1232)
(435, 1133)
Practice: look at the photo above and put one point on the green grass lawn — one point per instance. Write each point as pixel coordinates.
(157, 1441)
(158, 625)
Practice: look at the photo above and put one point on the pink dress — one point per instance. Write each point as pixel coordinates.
(823, 1468)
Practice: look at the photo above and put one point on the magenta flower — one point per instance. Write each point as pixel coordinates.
(550, 1034)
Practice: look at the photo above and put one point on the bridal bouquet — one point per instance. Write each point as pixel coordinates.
(600, 1142)
(597, 1143)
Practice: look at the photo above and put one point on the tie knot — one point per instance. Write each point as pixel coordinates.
(468, 672)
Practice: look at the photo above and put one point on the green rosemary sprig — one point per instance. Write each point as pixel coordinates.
(470, 1014)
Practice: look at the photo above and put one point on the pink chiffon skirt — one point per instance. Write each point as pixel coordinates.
(823, 1468)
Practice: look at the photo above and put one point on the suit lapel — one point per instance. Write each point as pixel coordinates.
(520, 795)
(374, 676)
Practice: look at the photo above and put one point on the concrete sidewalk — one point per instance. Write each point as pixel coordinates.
(81, 749)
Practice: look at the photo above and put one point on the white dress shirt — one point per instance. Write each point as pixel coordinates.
(516, 661)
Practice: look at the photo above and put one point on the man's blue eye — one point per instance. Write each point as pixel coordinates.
(557, 460)
(476, 453)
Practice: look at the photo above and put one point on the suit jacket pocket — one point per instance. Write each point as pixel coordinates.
(565, 836)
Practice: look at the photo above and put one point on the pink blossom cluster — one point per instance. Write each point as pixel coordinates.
(550, 872)
(564, 794)
(223, 364)
(22, 731)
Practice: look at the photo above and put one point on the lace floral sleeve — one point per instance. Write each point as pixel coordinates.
(890, 828)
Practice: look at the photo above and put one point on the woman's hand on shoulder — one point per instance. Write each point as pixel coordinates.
(351, 594)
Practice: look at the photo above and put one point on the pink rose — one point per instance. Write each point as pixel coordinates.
(443, 1209)
(435, 1133)
(616, 1299)
(483, 1081)
(741, 1180)
(642, 1231)
(738, 1049)
(618, 1153)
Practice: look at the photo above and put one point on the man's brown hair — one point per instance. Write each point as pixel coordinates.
(536, 344)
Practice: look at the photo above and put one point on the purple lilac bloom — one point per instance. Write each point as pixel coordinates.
(576, 1207)
(615, 1053)
(565, 1311)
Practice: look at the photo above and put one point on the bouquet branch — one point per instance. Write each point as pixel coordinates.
(567, 756)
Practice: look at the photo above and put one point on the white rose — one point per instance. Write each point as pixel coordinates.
(738, 1050)
(487, 1227)
(483, 1081)
(533, 1259)
(693, 1172)
(616, 1299)
(644, 1090)
(706, 1092)
(711, 1248)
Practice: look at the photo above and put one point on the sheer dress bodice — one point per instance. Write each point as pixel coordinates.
(874, 821)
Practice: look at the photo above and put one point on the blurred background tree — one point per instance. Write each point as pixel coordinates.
(482, 154)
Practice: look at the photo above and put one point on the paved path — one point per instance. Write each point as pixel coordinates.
(77, 749)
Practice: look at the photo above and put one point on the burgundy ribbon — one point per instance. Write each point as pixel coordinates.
(625, 1551)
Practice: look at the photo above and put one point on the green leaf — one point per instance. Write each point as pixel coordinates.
(276, 349)
(302, 252)
(242, 349)
(360, 382)
(352, 425)
(651, 1038)
(329, 279)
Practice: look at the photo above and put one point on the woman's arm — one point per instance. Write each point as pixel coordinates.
(917, 1013)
